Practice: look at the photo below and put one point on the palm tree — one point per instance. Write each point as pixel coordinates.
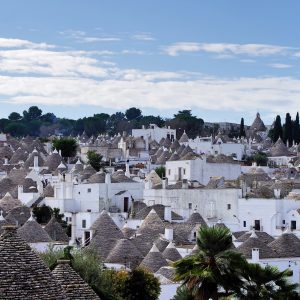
(266, 283)
(215, 269)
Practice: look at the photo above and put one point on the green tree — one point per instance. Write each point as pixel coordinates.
(15, 129)
(161, 171)
(296, 129)
(141, 284)
(68, 146)
(288, 130)
(277, 129)
(215, 266)
(260, 158)
(266, 283)
(14, 116)
(133, 113)
(94, 159)
(33, 113)
(42, 213)
(242, 128)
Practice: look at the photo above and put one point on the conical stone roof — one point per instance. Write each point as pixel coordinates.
(71, 283)
(106, 233)
(171, 253)
(53, 161)
(125, 252)
(287, 245)
(184, 138)
(154, 260)
(7, 203)
(254, 242)
(33, 232)
(196, 218)
(55, 231)
(23, 274)
(258, 124)
(279, 149)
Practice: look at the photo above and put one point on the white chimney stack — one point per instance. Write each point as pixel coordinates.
(164, 183)
(35, 162)
(255, 255)
(169, 234)
(168, 213)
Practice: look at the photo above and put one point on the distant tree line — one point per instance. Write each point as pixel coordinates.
(34, 123)
(289, 132)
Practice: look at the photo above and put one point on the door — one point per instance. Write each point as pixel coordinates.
(179, 173)
(293, 225)
(126, 200)
(257, 225)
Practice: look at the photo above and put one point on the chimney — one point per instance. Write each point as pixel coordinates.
(59, 151)
(167, 213)
(5, 161)
(35, 162)
(169, 234)
(185, 184)
(164, 183)
(277, 193)
(107, 178)
(127, 172)
(20, 190)
(255, 255)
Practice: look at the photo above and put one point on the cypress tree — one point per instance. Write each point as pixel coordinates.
(296, 129)
(277, 130)
(288, 128)
(242, 128)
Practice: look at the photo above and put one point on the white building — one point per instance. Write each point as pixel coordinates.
(154, 133)
(201, 170)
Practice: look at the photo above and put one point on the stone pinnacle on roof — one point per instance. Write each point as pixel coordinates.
(72, 284)
(23, 274)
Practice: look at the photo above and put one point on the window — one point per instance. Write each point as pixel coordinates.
(228, 206)
(169, 171)
(183, 171)
(70, 219)
(83, 223)
(78, 193)
(283, 222)
(244, 223)
(89, 190)
(190, 205)
(293, 225)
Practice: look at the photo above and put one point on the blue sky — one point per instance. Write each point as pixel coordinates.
(223, 59)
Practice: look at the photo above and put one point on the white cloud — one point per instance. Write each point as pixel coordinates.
(18, 43)
(280, 66)
(225, 48)
(45, 76)
(145, 36)
(82, 37)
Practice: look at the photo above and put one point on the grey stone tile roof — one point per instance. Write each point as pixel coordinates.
(29, 161)
(287, 245)
(171, 253)
(106, 233)
(263, 236)
(196, 218)
(125, 252)
(17, 175)
(53, 161)
(48, 191)
(127, 231)
(175, 145)
(7, 203)
(174, 156)
(159, 209)
(33, 232)
(55, 231)
(168, 272)
(6, 151)
(19, 155)
(154, 260)
(23, 274)
(265, 251)
(279, 149)
(184, 138)
(98, 177)
(19, 214)
(6, 185)
(152, 223)
(119, 176)
(258, 124)
(71, 283)
(161, 243)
